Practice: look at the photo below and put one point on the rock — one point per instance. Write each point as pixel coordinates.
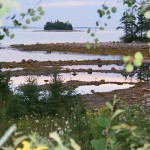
(103, 81)
(145, 89)
(89, 71)
(74, 73)
(147, 95)
(100, 65)
(29, 61)
(113, 69)
(134, 98)
(23, 61)
(92, 91)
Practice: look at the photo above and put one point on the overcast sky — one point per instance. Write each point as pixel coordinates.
(81, 13)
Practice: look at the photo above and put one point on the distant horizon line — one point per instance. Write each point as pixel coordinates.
(43, 27)
(86, 27)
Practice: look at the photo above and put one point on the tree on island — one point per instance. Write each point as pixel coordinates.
(57, 25)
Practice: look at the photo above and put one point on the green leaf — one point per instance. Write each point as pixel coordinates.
(97, 23)
(34, 19)
(27, 21)
(89, 30)
(96, 40)
(7, 134)
(126, 58)
(101, 13)
(109, 105)
(2, 37)
(109, 17)
(117, 112)
(138, 56)
(98, 144)
(92, 34)
(6, 31)
(147, 14)
(32, 13)
(101, 28)
(16, 23)
(42, 13)
(129, 68)
(13, 17)
(105, 7)
(12, 36)
(19, 140)
(108, 12)
(105, 24)
(88, 45)
(148, 34)
(39, 8)
(113, 9)
(137, 63)
(24, 27)
(103, 122)
(74, 145)
(23, 15)
(56, 137)
(29, 11)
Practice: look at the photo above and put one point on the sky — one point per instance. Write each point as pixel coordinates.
(80, 13)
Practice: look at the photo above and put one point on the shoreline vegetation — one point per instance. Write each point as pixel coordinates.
(103, 48)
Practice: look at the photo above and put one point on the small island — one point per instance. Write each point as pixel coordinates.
(57, 25)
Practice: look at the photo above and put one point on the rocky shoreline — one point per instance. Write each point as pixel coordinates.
(138, 93)
(105, 48)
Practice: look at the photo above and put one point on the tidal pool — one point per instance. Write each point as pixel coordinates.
(94, 67)
(11, 69)
(95, 76)
(10, 55)
(89, 89)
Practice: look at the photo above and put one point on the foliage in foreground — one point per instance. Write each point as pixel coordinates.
(113, 127)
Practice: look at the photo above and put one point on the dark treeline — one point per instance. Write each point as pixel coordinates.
(134, 25)
(57, 25)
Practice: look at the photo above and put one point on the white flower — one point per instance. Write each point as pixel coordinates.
(37, 121)
(56, 124)
(66, 122)
(61, 132)
(59, 128)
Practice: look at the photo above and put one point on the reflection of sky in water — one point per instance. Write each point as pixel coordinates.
(86, 89)
(9, 55)
(110, 77)
(30, 37)
(94, 67)
(11, 69)
(96, 76)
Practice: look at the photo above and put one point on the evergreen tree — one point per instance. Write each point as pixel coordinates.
(128, 22)
(134, 24)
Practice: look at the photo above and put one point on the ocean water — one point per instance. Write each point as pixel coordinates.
(37, 35)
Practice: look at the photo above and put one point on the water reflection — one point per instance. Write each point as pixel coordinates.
(11, 69)
(142, 75)
(90, 89)
(94, 67)
(96, 76)
(10, 55)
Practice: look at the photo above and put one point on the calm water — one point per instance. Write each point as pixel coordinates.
(33, 35)
(9, 55)
(94, 67)
(86, 89)
(95, 76)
